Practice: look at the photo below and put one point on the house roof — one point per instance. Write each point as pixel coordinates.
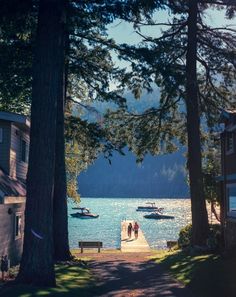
(226, 113)
(19, 119)
(228, 117)
(11, 187)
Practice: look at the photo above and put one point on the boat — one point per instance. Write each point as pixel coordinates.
(157, 216)
(83, 213)
(150, 207)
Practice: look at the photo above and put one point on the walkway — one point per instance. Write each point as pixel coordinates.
(132, 275)
(131, 244)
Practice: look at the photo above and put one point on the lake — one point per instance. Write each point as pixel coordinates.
(112, 211)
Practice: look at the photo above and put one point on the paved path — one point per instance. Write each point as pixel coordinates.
(132, 275)
(131, 244)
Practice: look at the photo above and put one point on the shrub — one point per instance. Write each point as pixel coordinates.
(214, 238)
(185, 236)
(213, 241)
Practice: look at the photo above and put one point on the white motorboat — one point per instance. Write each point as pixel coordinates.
(158, 216)
(150, 207)
(83, 213)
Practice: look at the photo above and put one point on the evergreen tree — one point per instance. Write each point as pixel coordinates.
(198, 204)
(60, 216)
(190, 62)
(37, 264)
(89, 63)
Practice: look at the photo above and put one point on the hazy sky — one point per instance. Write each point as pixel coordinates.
(124, 32)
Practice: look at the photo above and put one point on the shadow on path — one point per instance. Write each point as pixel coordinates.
(125, 277)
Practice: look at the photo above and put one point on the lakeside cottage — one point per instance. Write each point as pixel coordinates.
(14, 147)
(228, 177)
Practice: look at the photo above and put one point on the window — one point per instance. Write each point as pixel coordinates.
(1, 135)
(24, 151)
(231, 189)
(229, 142)
(18, 225)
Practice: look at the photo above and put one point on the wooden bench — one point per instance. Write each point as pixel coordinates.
(90, 244)
(170, 244)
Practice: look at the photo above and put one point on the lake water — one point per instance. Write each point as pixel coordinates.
(112, 211)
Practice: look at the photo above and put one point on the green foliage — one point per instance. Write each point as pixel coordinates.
(77, 158)
(17, 25)
(214, 239)
(205, 275)
(160, 62)
(211, 169)
(185, 236)
(157, 62)
(143, 133)
(72, 278)
(72, 170)
(89, 66)
(213, 242)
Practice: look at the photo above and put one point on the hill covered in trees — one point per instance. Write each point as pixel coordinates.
(162, 176)
(159, 176)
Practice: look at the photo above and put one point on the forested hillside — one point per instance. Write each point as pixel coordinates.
(162, 176)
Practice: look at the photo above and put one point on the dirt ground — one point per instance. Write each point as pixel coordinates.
(132, 275)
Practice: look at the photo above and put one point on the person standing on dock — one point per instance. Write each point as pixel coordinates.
(136, 227)
(129, 230)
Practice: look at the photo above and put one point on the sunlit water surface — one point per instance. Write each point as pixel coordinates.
(112, 211)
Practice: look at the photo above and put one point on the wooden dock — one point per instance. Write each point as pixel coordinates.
(131, 244)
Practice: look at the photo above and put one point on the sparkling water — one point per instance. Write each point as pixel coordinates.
(112, 211)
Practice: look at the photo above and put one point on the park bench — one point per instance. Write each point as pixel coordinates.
(90, 244)
(170, 244)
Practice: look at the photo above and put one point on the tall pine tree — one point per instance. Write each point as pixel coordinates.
(37, 264)
(191, 63)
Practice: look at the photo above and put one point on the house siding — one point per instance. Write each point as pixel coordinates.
(230, 234)
(13, 171)
(9, 244)
(230, 227)
(228, 161)
(5, 146)
(230, 158)
(18, 168)
(231, 163)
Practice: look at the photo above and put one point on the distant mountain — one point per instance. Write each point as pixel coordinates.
(161, 176)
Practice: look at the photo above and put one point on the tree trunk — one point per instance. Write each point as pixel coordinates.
(60, 216)
(37, 264)
(198, 204)
(223, 190)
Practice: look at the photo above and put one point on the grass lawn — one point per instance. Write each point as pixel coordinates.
(206, 275)
(72, 280)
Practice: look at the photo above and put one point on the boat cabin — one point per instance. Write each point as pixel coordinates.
(14, 147)
(83, 213)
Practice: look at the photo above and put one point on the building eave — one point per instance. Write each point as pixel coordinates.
(230, 128)
(229, 177)
(228, 115)
(13, 199)
(10, 187)
(19, 119)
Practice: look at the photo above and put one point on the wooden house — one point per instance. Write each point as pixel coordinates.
(228, 177)
(14, 147)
